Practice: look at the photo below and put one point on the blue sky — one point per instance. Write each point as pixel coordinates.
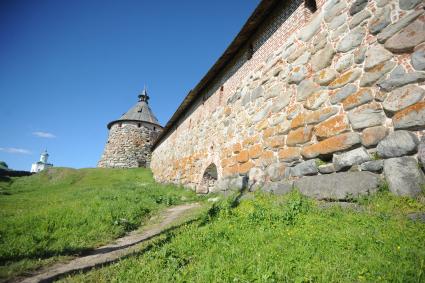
(67, 68)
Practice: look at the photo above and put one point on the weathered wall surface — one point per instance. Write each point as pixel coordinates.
(338, 90)
(129, 145)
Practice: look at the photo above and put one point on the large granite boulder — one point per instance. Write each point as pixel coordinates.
(308, 167)
(408, 4)
(421, 151)
(413, 117)
(397, 144)
(353, 39)
(373, 166)
(339, 186)
(278, 188)
(256, 178)
(323, 58)
(408, 38)
(404, 176)
(392, 29)
(353, 157)
(306, 33)
(403, 97)
(376, 55)
(418, 58)
(381, 19)
(343, 93)
(231, 183)
(357, 6)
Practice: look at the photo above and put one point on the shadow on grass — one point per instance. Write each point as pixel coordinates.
(4, 179)
(167, 232)
(46, 254)
(76, 252)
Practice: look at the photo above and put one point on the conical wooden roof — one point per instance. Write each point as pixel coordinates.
(141, 112)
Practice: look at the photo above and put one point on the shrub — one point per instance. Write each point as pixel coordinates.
(3, 165)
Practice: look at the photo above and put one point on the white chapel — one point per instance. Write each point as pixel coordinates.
(42, 164)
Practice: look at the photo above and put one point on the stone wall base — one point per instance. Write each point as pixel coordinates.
(402, 175)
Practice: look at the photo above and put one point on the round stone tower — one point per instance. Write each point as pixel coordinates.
(131, 136)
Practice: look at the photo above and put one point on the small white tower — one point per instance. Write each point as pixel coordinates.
(42, 164)
(44, 156)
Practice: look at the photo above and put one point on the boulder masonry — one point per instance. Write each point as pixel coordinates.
(308, 95)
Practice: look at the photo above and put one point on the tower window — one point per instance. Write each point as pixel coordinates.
(154, 128)
(139, 125)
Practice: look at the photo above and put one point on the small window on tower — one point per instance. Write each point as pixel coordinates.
(154, 128)
(139, 125)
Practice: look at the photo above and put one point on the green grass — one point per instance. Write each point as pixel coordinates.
(63, 212)
(283, 239)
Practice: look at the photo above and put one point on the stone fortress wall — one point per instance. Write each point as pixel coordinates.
(340, 90)
(129, 144)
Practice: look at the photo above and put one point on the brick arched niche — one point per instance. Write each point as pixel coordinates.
(209, 179)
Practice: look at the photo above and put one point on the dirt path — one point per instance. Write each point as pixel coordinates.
(110, 253)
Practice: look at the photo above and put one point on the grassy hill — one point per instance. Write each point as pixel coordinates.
(63, 212)
(60, 213)
(284, 239)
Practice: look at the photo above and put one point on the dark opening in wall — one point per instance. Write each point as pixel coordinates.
(139, 125)
(209, 179)
(154, 128)
(311, 5)
(250, 51)
(220, 97)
